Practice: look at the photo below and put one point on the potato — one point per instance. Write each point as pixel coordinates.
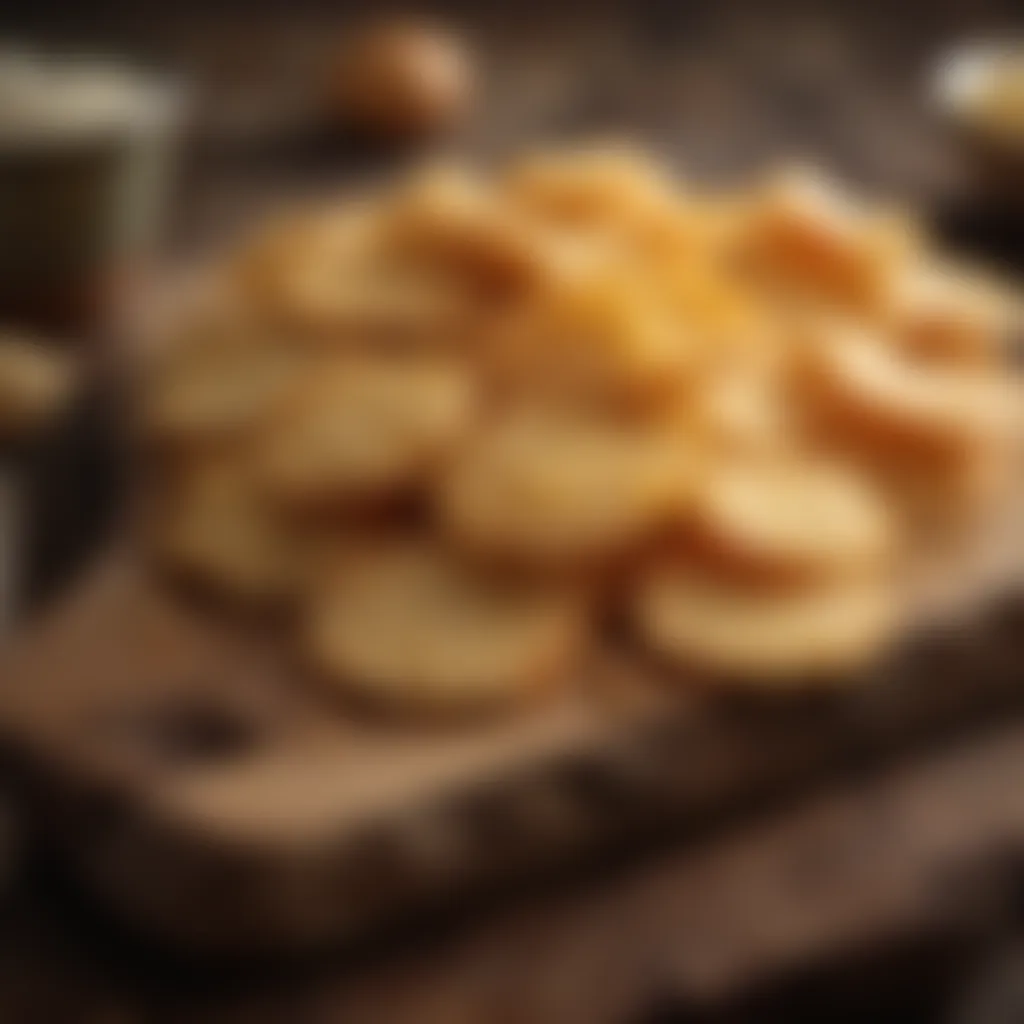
(602, 185)
(453, 221)
(881, 399)
(740, 410)
(213, 529)
(530, 384)
(402, 623)
(205, 393)
(790, 518)
(762, 638)
(951, 318)
(806, 235)
(550, 489)
(324, 235)
(366, 427)
(606, 340)
(333, 275)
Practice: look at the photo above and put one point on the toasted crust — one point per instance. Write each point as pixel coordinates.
(405, 624)
(762, 638)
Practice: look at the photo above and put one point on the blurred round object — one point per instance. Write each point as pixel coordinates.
(763, 638)
(215, 532)
(884, 401)
(446, 424)
(554, 489)
(366, 428)
(790, 519)
(34, 383)
(979, 88)
(403, 622)
(400, 80)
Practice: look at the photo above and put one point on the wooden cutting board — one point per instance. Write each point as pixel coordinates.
(209, 794)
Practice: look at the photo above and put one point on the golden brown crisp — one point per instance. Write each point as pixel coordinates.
(558, 372)
(365, 427)
(552, 489)
(881, 398)
(605, 339)
(405, 624)
(214, 529)
(790, 518)
(603, 186)
(763, 638)
(217, 389)
(808, 236)
(952, 317)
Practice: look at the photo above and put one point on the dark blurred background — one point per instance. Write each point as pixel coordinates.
(721, 88)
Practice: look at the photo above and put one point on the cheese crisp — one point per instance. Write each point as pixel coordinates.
(503, 406)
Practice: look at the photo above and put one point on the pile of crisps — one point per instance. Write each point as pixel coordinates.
(467, 427)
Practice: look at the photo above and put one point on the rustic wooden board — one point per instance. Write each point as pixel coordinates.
(211, 792)
(215, 798)
(205, 795)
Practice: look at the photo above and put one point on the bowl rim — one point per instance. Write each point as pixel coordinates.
(959, 74)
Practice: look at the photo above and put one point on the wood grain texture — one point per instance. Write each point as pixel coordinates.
(919, 856)
(218, 798)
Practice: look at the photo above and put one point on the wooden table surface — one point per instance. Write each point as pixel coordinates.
(721, 88)
(926, 856)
